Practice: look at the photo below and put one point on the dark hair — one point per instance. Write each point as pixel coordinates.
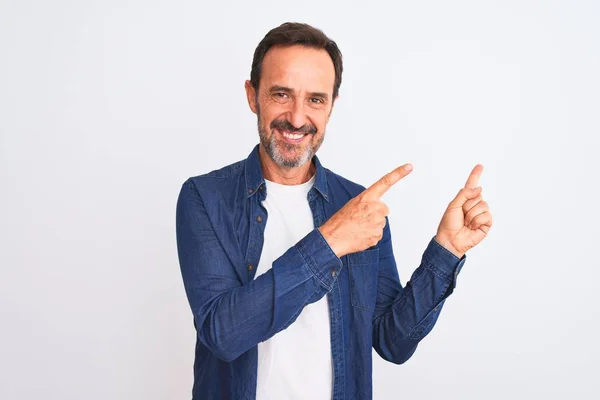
(292, 33)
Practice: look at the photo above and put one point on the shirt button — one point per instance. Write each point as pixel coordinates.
(250, 267)
(250, 191)
(333, 272)
(259, 219)
(261, 188)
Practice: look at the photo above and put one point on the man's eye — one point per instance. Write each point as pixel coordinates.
(281, 95)
(316, 100)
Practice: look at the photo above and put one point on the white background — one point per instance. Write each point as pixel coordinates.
(107, 107)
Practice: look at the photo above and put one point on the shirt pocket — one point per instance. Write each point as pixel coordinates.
(363, 268)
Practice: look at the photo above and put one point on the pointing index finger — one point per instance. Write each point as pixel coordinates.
(384, 184)
(473, 180)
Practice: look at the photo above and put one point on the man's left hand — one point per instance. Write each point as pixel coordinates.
(467, 219)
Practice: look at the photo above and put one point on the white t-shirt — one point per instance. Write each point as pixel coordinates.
(296, 362)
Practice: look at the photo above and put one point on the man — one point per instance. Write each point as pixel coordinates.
(288, 267)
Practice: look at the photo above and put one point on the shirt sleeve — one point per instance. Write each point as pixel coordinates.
(231, 318)
(405, 315)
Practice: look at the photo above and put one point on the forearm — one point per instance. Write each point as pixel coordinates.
(399, 326)
(233, 320)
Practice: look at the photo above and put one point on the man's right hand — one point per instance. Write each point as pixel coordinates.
(359, 224)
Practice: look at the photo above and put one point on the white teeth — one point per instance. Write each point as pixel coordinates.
(293, 136)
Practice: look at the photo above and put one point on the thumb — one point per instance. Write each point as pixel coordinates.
(464, 195)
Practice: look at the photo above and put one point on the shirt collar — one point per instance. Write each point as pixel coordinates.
(255, 178)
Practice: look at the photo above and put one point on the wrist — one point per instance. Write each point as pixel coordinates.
(331, 240)
(445, 243)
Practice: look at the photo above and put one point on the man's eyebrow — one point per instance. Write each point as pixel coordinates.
(278, 88)
(322, 95)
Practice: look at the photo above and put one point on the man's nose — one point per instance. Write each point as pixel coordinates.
(297, 115)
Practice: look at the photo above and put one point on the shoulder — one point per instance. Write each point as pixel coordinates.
(218, 178)
(215, 188)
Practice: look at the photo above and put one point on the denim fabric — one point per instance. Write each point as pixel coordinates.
(220, 224)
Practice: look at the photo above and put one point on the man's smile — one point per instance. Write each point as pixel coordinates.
(289, 137)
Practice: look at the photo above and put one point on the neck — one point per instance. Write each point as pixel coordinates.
(284, 176)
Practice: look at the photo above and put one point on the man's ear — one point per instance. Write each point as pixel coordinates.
(251, 96)
(332, 104)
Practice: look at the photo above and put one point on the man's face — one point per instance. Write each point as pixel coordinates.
(293, 103)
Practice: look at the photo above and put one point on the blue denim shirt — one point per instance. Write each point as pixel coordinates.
(220, 231)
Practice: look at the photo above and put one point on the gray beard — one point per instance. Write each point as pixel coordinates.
(272, 148)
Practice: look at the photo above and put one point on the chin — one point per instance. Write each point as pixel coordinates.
(288, 161)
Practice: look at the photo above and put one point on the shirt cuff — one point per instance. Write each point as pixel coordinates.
(324, 264)
(442, 262)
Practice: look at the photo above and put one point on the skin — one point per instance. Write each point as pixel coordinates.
(295, 94)
(296, 86)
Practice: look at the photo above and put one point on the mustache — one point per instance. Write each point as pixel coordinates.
(285, 125)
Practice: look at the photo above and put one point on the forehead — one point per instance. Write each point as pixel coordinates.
(298, 67)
